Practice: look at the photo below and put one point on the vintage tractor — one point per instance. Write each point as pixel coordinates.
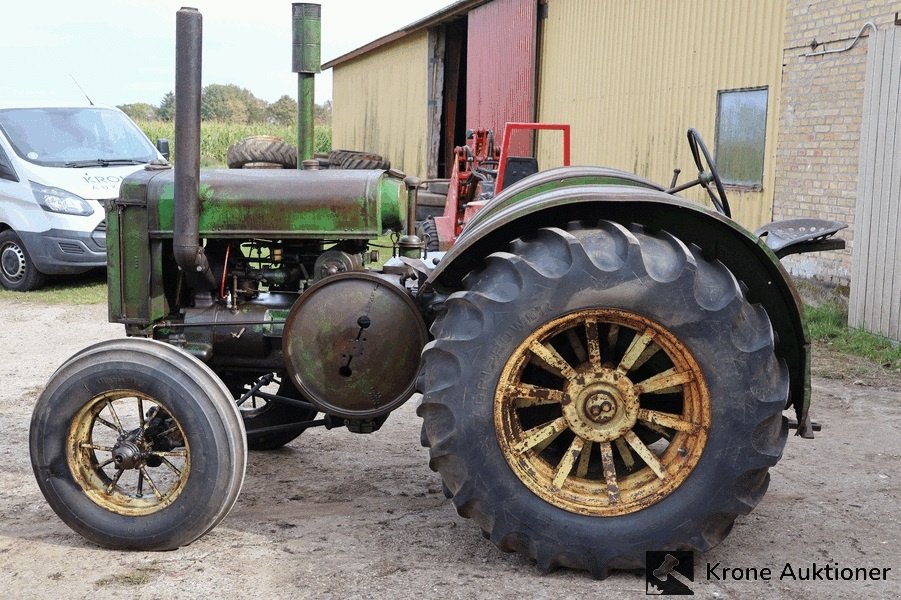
(603, 365)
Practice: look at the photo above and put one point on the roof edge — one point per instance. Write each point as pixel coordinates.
(436, 18)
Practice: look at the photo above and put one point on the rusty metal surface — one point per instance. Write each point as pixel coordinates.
(352, 344)
(581, 382)
(108, 453)
(500, 71)
(286, 203)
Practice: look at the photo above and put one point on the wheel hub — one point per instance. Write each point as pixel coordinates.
(127, 455)
(600, 405)
(13, 262)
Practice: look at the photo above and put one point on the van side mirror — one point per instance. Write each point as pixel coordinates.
(6, 168)
(162, 144)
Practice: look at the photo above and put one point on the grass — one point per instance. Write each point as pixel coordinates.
(216, 137)
(828, 323)
(89, 288)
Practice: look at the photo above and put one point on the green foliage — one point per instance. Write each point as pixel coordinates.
(231, 104)
(216, 137)
(828, 323)
(139, 111)
(166, 110)
(283, 111)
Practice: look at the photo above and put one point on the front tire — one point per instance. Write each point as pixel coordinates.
(17, 270)
(601, 392)
(137, 445)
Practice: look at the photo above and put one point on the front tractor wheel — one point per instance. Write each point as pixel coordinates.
(600, 392)
(136, 445)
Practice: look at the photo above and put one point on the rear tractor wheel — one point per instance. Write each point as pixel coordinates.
(601, 392)
(136, 445)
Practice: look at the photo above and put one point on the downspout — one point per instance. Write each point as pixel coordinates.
(186, 246)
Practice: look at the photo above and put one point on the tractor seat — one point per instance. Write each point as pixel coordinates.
(796, 236)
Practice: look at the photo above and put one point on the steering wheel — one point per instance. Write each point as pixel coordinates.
(708, 175)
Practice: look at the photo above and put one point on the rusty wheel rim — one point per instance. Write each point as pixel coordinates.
(127, 453)
(602, 412)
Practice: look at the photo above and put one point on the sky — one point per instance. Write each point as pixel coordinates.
(123, 51)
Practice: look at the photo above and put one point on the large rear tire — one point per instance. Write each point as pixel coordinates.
(601, 392)
(137, 445)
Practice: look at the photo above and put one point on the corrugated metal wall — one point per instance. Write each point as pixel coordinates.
(875, 302)
(381, 101)
(632, 77)
(500, 73)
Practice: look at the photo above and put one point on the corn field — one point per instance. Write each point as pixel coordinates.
(216, 137)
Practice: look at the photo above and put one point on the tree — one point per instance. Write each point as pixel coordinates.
(166, 110)
(140, 111)
(322, 113)
(231, 103)
(283, 111)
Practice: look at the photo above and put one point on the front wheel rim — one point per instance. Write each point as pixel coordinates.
(602, 412)
(127, 453)
(12, 262)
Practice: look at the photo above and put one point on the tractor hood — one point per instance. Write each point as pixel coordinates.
(273, 203)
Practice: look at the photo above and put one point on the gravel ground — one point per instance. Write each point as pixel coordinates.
(339, 515)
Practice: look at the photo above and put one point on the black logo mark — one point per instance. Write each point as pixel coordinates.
(669, 573)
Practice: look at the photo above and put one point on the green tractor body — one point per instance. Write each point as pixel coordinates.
(603, 367)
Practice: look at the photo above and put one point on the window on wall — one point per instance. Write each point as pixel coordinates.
(741, 136)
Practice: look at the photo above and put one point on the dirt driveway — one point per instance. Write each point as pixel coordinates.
(338, 515)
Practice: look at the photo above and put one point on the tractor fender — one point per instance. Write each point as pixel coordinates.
(588, 195)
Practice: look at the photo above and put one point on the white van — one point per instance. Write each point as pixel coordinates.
(57, 167)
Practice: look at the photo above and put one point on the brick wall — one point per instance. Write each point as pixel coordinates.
(820, 119)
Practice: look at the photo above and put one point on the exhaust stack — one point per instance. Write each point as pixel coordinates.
(186, 235)
(306, 29)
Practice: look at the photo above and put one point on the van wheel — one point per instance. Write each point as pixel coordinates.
(17, 271)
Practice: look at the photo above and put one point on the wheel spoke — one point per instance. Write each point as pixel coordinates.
(646, 454)
(163, 453)
(551, 358)
(525, 394)
(140, 492)
(108, 424)
(609, 471)
(90, 446)
(104, 463)
(594, 344)
(584, 460)
(625, 453)
(535, 436)
(576, 345)
(645, 356)
(635, 350)
(667, 420)
(118, 427)
(566, 464)
(141, 411)
(169, 464)
(112, 484)
(152, 485)
(663, 382)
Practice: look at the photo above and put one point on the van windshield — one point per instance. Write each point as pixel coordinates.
(57, 137)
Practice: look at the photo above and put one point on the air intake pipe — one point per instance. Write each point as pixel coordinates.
(186, 236)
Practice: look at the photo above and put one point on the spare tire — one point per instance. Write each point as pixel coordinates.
(262, 149)
(355, 159)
